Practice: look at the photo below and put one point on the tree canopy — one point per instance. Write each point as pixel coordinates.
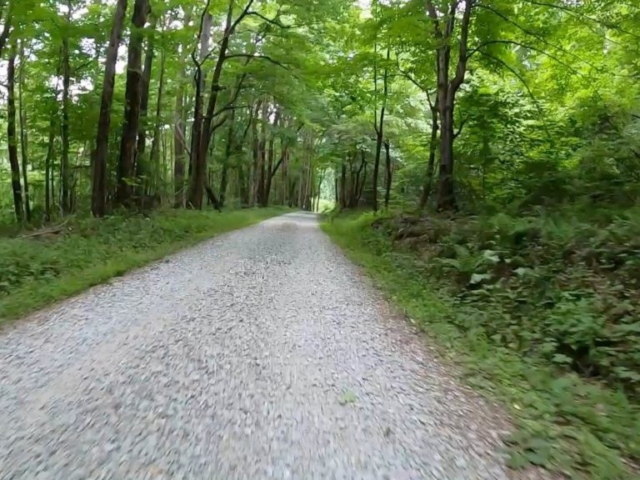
(442, 104)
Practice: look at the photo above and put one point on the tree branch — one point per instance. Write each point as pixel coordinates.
(244, 13)
(518, 44)
(272, 21)
(457, 134)
(433, 14)
(252, 56)
(6, 30)
(537, 36)
(461, 69)
(582, 16)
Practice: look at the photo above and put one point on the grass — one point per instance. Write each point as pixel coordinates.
(568, 425)
(37, 271)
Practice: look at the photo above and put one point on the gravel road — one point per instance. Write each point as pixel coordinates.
(259, 354)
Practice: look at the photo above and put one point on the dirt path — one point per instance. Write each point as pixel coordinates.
(259, 354)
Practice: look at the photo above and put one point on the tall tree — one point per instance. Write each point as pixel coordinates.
(65, 173)
(11, 134)
(133, 97)
(444, 30)
(99, 188)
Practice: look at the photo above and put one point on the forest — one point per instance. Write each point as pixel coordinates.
(478, 155)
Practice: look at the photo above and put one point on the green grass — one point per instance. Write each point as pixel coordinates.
(564, 423)
(37, 271)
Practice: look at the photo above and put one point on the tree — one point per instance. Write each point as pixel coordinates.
(133, 99)
(99, 190)
(16, 186)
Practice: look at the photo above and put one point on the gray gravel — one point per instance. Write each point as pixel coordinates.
(259, 354)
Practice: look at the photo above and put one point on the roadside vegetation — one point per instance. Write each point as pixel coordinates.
(46, 265)
(528, 328)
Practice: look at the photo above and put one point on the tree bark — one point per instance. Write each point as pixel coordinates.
(157, 134)
(389, 174)
(433, 146)
(24, 142)
(133, 96)
(6, 11)
(99, 186)
(11, 135)
(270, 165)
(179, 135)
(228, 149)
(380, 133)
(47, 167)
(446, 92)
(141, 145)
(65, 179)
(196, 185)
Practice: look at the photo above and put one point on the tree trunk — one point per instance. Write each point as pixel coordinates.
(179, 135)
(155, 142)
(133, 96)
(11, 135)
(433, 146)
(343, 187)
(261, 159)
(229, 148)
(65, 177)
(99, 187)
(446, 93)
(196, 172)
(141, 146)
(270, 165)
(388, 176)
(206, 127)
(255, 150)
(380, 133)
(47, 168)
(24, 142)
(6, 11)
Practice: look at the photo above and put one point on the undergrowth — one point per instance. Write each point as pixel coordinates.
(541, 312)
(38, 270)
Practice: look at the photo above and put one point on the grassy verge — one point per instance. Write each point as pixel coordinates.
(37, 271)
(564, 423)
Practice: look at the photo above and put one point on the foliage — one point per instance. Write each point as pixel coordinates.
(38, 270)
(519, 119)
(569, 424)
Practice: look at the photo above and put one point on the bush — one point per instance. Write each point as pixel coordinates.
(537, 318)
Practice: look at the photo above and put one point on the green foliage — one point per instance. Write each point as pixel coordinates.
(38, 270)
(498, 325)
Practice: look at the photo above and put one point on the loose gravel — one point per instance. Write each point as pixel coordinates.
(259, 354)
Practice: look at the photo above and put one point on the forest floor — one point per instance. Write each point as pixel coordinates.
(263, 353)
(47, 265)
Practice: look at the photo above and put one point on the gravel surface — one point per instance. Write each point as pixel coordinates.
(259, 354)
